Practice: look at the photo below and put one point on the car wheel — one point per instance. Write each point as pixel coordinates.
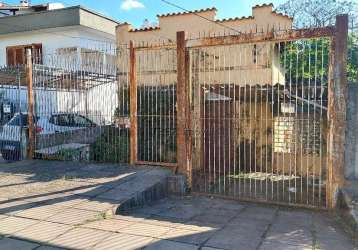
(11, 155)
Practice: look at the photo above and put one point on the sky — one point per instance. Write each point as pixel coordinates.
(135, 11)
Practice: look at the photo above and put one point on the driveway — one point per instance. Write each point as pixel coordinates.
(55, 205)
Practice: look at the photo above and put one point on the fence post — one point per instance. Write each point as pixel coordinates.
(183, 109)
(30, 107)
(133, 104)
(337, 96)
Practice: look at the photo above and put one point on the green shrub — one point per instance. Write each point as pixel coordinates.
(112, 146)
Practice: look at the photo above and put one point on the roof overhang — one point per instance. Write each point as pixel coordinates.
(71, 16)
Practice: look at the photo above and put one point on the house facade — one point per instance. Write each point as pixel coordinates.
(52, 29)
(74, 52)
(257, 63)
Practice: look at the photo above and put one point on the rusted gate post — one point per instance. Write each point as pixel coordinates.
(133, 104)
(30, 100)
(337, 95)
(183, 109)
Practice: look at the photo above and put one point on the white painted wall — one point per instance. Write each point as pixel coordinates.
(52, 39)
(99, 102)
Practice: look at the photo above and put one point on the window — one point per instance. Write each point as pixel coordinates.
(80, 121)
(60, 120)
(16, 55)
(21, 120)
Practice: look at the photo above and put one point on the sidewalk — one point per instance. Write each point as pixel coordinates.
(42, 209)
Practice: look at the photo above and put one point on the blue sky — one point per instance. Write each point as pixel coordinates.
(135, 11)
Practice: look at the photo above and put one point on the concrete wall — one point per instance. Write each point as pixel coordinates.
(250, 63)
(263, 18)
(351, 147)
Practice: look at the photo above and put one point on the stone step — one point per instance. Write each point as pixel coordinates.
(145, 188)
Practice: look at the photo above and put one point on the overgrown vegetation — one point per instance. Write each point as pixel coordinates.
(157, 123)
(111, 146)
(318, 13)
(305, 61)
(156, 128)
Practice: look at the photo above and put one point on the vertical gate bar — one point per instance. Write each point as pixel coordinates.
(183, 112)
(272, 49)
(290, 119)
(337, 94)
(308, 152)
(314, 120)
(30, 146)
(321, 129)
(266, 103)
(296, 118)
(287, 122)
(133, 103)
(302, 120)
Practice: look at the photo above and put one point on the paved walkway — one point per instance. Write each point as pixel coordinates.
(55, 205)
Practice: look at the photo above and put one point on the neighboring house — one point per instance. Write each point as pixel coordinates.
(233, 81)
(51, 28)
(74, 47)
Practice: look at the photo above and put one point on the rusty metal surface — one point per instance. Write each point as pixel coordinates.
(181, 105)
(267, 36)
(337, 93)
(133, 104)
(259, 120)
(30, 98)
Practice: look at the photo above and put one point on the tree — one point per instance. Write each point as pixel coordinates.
(315, 13)
(318, 13)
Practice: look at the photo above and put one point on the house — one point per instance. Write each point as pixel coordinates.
(243, 117)
(203, 23)
(73, 52)
(51, 28)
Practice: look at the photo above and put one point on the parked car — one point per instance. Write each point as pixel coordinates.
(10, 133)
(62, 122)
(10, 136)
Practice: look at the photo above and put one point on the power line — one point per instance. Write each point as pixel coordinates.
(196, 14)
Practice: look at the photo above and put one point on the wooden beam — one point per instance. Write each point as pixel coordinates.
(274, 36)
(30, 111)
(133, 105)
(337, 96)
(183, 108)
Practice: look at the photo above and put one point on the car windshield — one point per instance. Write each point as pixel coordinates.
(21, 120)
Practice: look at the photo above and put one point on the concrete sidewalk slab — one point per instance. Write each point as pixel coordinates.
(43, 232)
(80, 238)
(60, 205)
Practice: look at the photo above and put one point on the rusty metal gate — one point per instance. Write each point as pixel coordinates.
(254, 116)
(260, 114)
(260, 117)
(248, 116)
